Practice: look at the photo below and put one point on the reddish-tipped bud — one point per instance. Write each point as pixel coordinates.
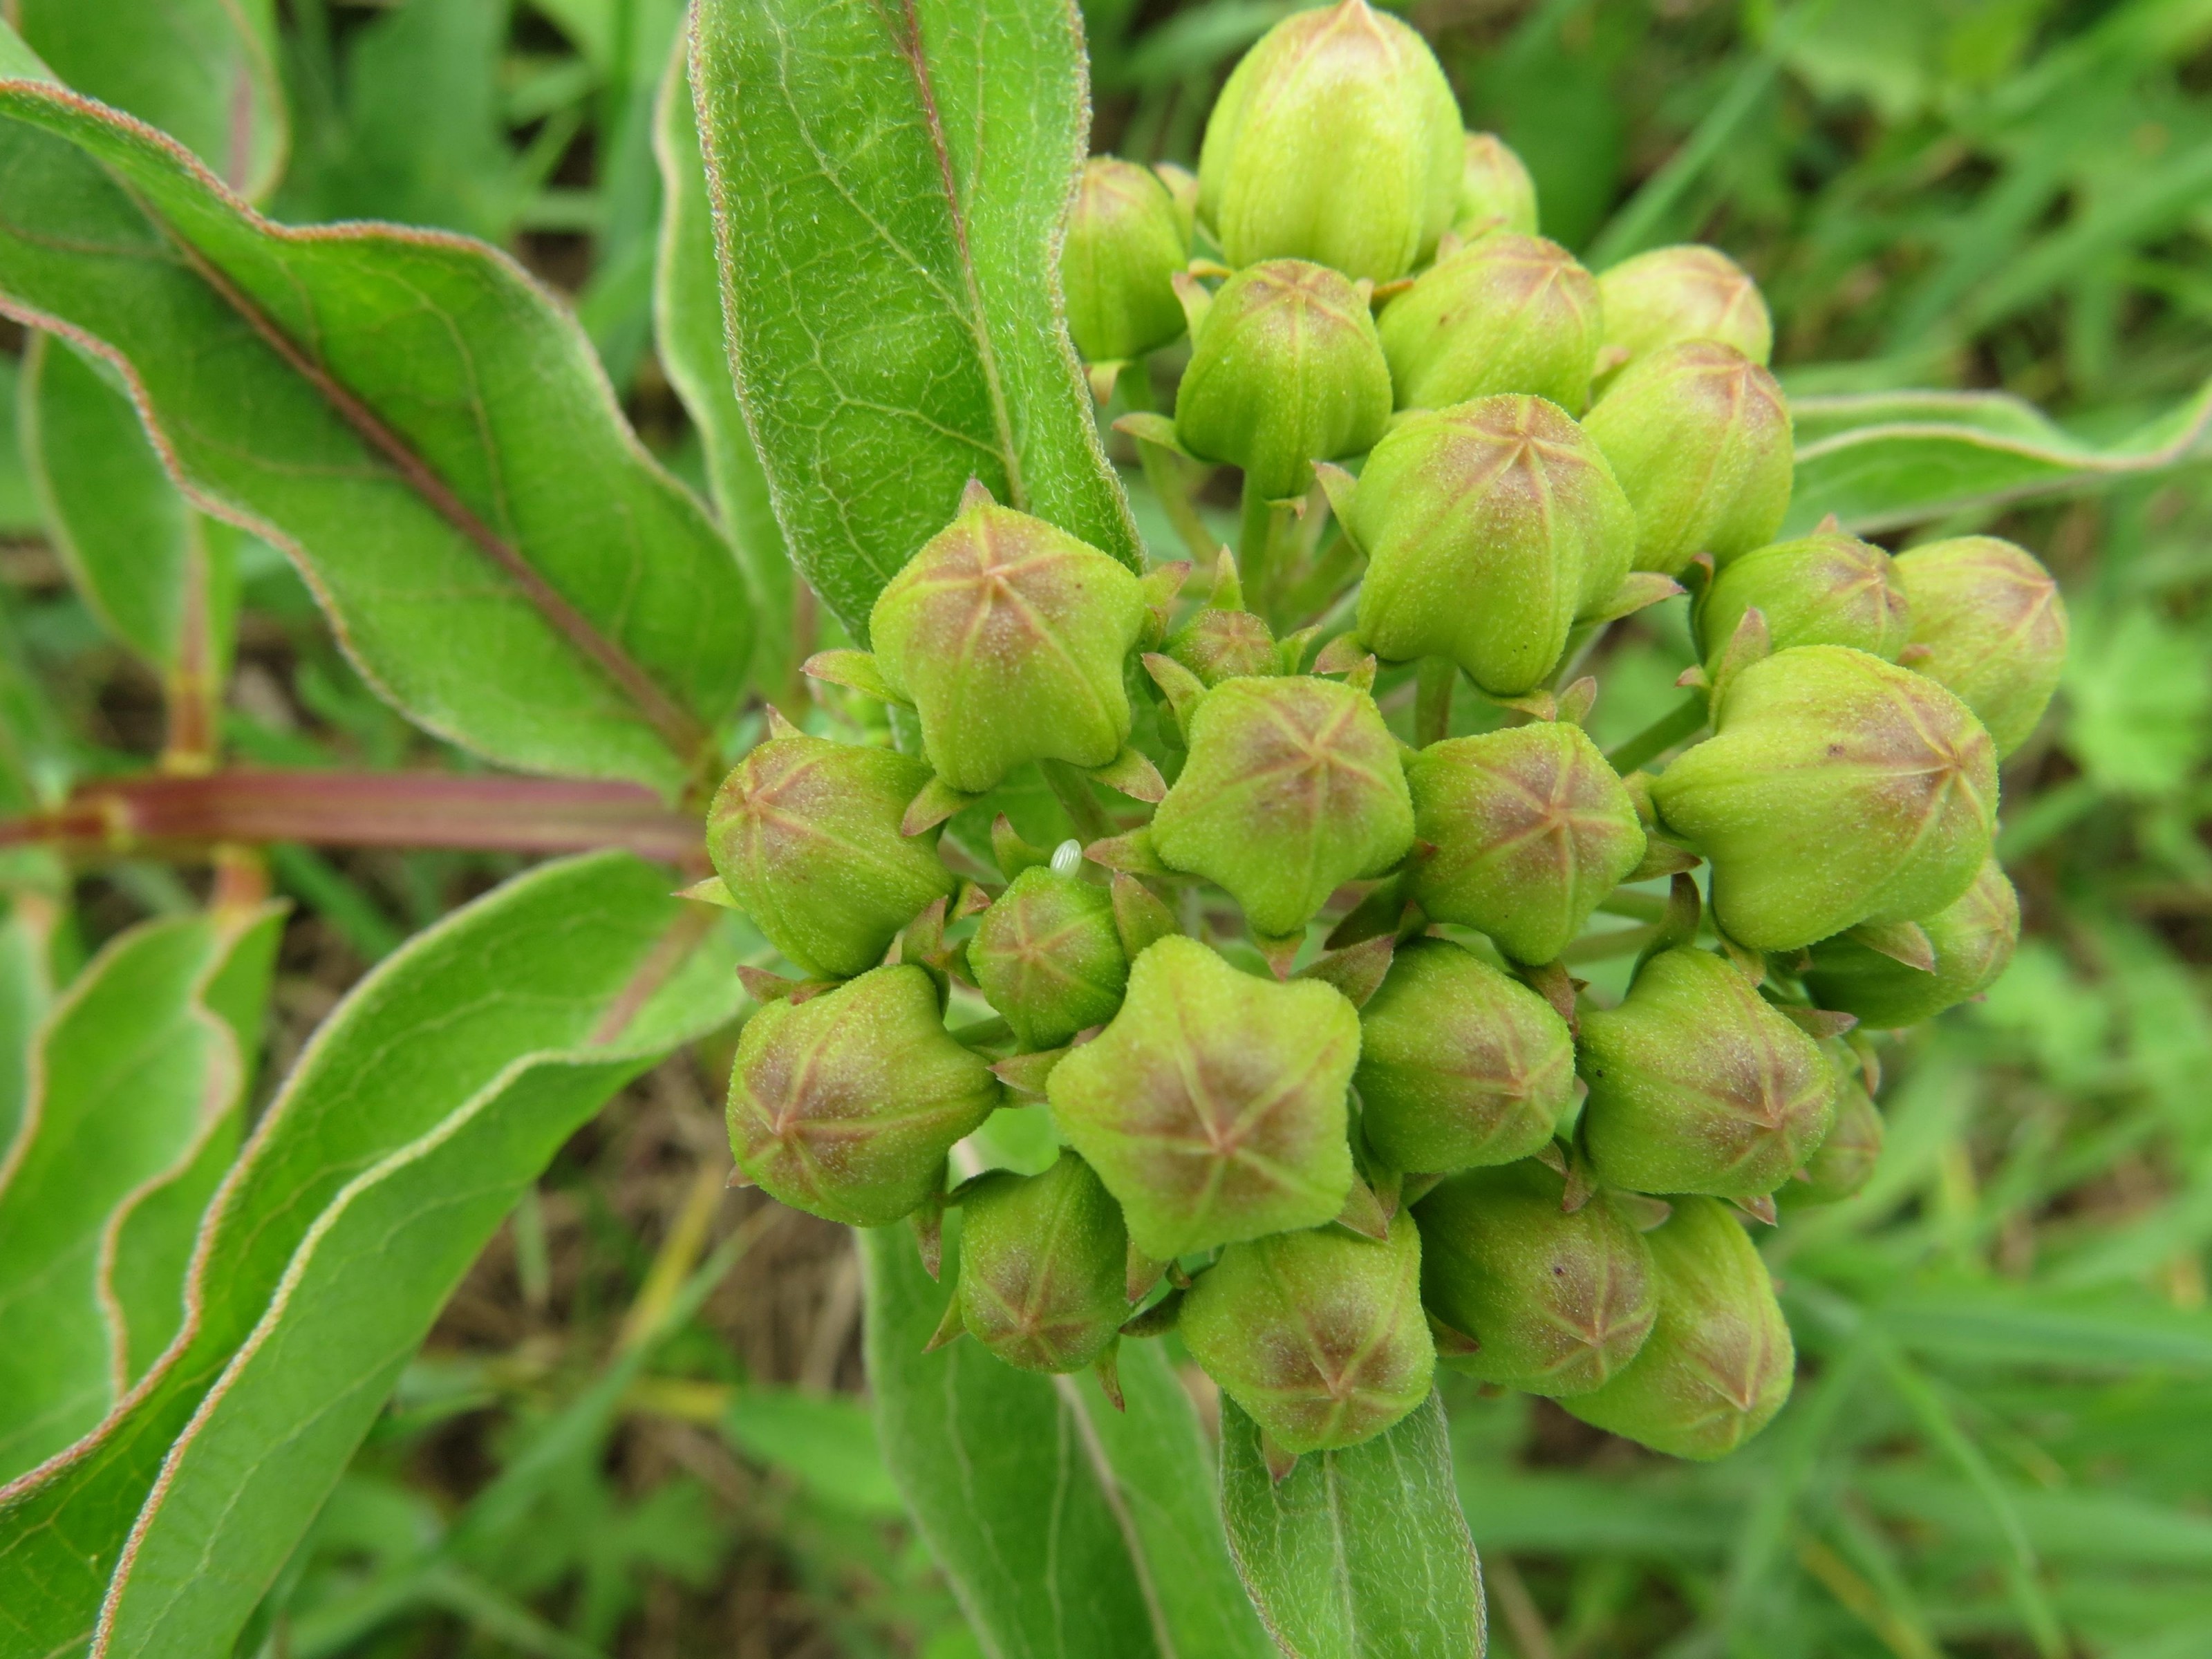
(1718, 1363)
(845, 1105)
(804, 835)
(1557, 1300)
(1823, 589)
(1285, 370)
(1837, 789)
(1319, 1336)
(1009, 636)
(1506, 313)
(1218, 645)
(1700, 1084)
(1042, 1261)
(1495, 190)
(1846, 1159)
(1459, 1065)
(1488, 528)
(1292, 789)
(1531, 828)
(1699, 437)
(1336, 139)
(1125, 246)
(1213, 1105)
(1973, 938)
(1991, 626)
(1671, 294)
(1046, 955)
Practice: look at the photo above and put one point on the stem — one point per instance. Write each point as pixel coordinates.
(1082, 807)
(1260, 539)
(1603, 947)
(1165, 469)
(185, 815)
(1433, 700)
(1662, 734)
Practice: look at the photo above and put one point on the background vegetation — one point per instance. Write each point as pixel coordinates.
(639, 1429)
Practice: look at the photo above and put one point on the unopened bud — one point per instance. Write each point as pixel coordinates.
(1213, 1105)
(1671, 294)
(1504, 498)
(1124, 244)
(1823, 589)
(1557, 1300)
(1047, 957)
(1992, 628)
(1292, 789)
(1459, 1065)
(1531, 827)
(1699, 437)
(1495, 190)
(1285, 370)
(1700, 1084)
(1009, 636)
(1506, 313)
(804, 835)
(1973, 938)
(1846, 1158)
(845, 1105)
(1718, 1363)
(1336, 139)
(1218, 645)
(1319, 1336)
(1837, 789)
(1043, 1264)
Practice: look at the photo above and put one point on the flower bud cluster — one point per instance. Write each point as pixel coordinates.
(1294, 991)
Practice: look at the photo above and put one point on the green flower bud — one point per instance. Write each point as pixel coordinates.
(1503, 500)
(1459, 1065)
(1699, 1084)
(1337, 139)
(1219, 645)
(1837, 789)
(1671, 294)
(1495, 190)
(1047, 957)
(1213, 1106)
(845, 1105)
(1718, 1363)
(1504, 313)
(1008, 635)
(1972, 937)
(1043, 1266)
(1125, 246)
(1847, 1156)
(1292, 789)
(1699, 437)
(1993, 629)
(1531, 828)
(1823, 589)
(805, 834)
(1319, 1336)
(1559, 1300)
(1285, 370)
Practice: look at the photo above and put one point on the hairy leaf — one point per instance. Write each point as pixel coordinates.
(890, 186)
(1883, 459)
(204, 71)
(1356, 1554)
(138, 1078)
(411, 417)
(443, 1086)
(1064, 1534)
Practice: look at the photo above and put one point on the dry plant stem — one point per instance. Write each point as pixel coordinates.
(1655, 739)
(1165, 471)
(187, 814)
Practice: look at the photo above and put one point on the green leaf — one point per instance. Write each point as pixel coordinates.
(688, 318)
(1356, 1554)
(440, 1087)
(26, 989)
(139, 1079)
(890, 187)
(1878, 460)
(160, 576)
(204, 71)
(1065, 1535)
(413, 420)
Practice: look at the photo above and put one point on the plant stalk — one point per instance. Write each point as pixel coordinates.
(1662, 734)
(1165, 471)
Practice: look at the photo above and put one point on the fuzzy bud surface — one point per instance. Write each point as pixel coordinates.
(1124, 243)
(1994, 629)
(1847, 1156)
(1047, 957)
(1690, 292)
(1505, 313)
(1495, 190)
(1973, 938)
(1823, 589)
(1042, 1266)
